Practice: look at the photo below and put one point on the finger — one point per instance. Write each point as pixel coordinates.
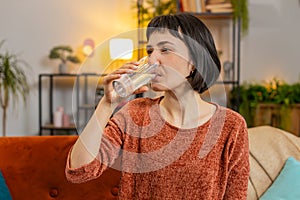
(133, 63)
(110, 77)
(130, 65)
(141, 90)
(123, 71)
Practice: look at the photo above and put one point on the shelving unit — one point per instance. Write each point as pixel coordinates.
(236, 36)
(81, 104)
(236, 45)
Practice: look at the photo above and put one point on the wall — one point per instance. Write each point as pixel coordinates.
(272, 46)
(31, 28)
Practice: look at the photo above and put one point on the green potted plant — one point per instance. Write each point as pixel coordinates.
(275, 97)
(13, 82)
(240, 10)
(64, 54)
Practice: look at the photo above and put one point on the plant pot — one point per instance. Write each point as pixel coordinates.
(62, 68)
(287, 118)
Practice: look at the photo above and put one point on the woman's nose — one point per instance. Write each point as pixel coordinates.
(154, 58)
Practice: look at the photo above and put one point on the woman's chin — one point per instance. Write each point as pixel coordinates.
(157, 87)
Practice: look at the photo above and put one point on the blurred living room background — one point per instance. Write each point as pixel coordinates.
(269, 54)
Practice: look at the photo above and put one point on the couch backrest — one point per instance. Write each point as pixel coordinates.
(34, 168)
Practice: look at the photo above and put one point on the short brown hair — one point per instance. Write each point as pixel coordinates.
(194, 34)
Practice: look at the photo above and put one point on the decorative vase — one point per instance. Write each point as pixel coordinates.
(62, 68)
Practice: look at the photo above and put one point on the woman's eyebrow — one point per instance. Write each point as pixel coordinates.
(164, 42)
(149, 46)
(161, 44)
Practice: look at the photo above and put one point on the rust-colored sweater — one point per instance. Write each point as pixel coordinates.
(160, 161)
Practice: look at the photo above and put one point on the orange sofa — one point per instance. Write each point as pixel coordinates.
(34, 166)
(34, 169)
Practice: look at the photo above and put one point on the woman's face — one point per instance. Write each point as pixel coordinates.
(174, 61)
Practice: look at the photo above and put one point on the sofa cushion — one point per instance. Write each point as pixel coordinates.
(4, 191)
(287, 184)
(269, 149)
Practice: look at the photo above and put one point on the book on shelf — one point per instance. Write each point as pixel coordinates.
(224, 7)
(196, 6)
(221, 10)
(216, 1)
(220, 5)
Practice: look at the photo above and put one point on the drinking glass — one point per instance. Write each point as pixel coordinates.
(128, 83)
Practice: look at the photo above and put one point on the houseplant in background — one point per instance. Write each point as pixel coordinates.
(275, 100)
(64, 54)
(240, 11)
(13, 82)
(151, 8)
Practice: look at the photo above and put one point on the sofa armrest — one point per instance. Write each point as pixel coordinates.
(34, 168)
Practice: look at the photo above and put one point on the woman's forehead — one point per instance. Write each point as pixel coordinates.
(158, 37)
(161, 39)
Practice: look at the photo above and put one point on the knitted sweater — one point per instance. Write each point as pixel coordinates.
(160, 161)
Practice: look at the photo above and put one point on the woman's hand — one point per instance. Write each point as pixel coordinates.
(109, 94)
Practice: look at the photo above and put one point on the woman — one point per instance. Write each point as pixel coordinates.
(176, 146)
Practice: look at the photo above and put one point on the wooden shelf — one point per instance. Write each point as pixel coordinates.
(52, 127)
(209, 15)
(81, 98)
(227, 82)
(87, 106)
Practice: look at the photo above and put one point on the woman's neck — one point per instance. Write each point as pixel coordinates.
(186, 110)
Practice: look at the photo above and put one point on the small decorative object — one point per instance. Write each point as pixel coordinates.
(58, 117)
(66, 120)
(228, 67)
(64, 53)
(88, 47)
(13, 82)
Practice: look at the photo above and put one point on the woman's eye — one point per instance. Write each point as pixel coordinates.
(165, 50)
(149, 51)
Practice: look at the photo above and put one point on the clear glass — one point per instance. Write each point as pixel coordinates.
(128, 83)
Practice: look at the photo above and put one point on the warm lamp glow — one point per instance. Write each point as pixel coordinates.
(88, 47)
(121, 48)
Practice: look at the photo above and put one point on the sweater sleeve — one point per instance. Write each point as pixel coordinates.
(239, 166)
(109, 151)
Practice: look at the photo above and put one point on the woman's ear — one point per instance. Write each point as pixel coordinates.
(191, 66)
(192, 69)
